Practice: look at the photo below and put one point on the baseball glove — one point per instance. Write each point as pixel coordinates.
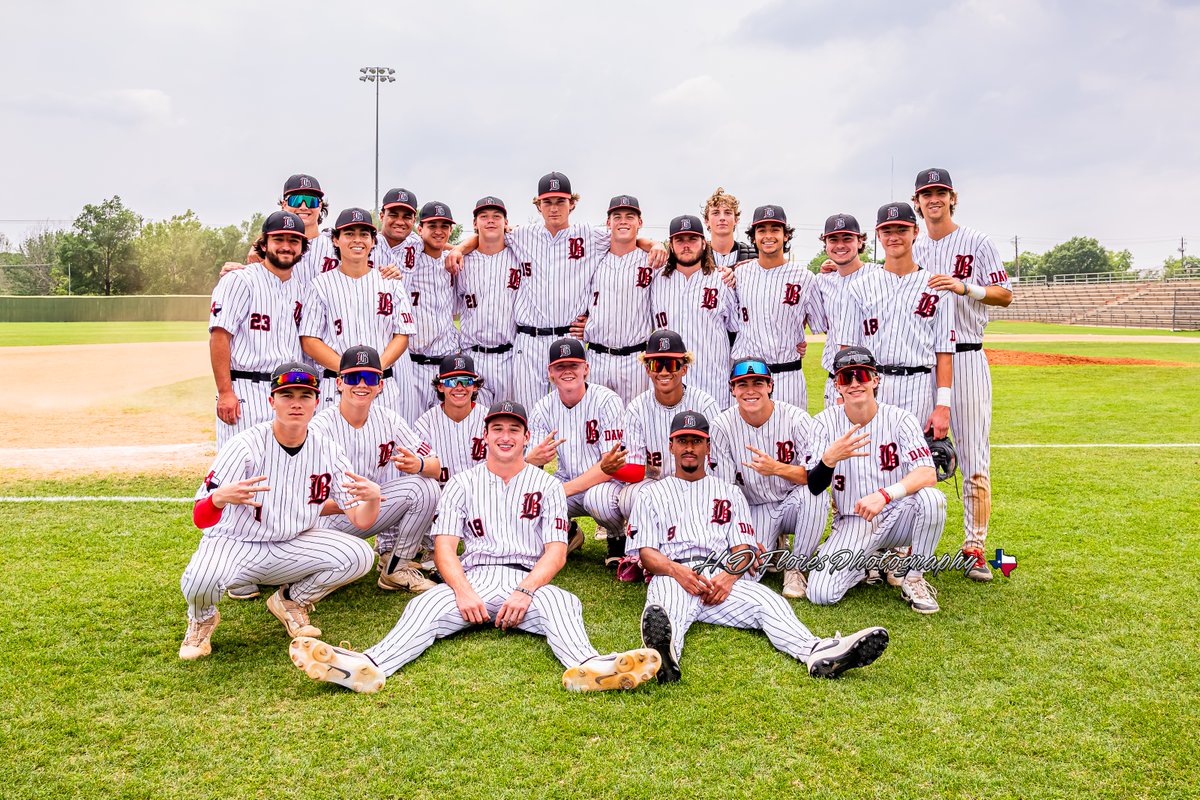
(945, 460)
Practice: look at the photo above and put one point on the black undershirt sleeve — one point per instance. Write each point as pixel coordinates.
(819, 477)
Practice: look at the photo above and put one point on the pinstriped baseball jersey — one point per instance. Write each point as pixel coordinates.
(343, 311)
(898, 318)
(688, 519)
(619, 300)
(300, 484)
(725, 259)
(648, 426)
(459, 445)
(431, 290)
(485, 292)
(897, 446)
(773, 305)
(829, 304)
(971, 257)
(591, 427)
(555, 270)
(502, 523)
(371, 447)
(403, 254)
(317, 259)
(786, 436)
(263, 313)
(703, 310)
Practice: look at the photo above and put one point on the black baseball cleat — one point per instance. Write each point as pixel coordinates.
(831, 657)
(658, 634)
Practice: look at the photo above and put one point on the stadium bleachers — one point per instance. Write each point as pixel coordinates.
(1173, 303)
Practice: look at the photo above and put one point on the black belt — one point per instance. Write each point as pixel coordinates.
(618, 351)
(790, 366)
(502, 348)
(387, 373)
(261, 377)
(531, 331)
(692, 560)
(889, 369)
(967, 347)
(418, 358)
(521, 567)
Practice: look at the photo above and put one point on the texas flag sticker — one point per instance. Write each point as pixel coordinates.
(1004, 562)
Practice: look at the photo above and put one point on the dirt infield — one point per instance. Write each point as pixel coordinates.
(1022, 358)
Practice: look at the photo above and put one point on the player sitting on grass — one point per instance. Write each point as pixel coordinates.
(511, 518)
(693, 532)
(260, 508)
(864, 444)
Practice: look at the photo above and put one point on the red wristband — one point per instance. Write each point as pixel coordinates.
(886, 497)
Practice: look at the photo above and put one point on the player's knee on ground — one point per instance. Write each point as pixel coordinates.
(824, 589)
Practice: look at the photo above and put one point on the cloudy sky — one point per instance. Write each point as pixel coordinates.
(1052, 122)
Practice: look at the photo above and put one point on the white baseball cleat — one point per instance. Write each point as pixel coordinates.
(293, 615)
(920, 595)
(197, 642)
(833, 656)
(324, 662)
(613, 671)
(795, 584)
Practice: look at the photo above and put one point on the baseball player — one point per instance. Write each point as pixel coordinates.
(689, 531)
(690, 296)
(398, 244)
(762, 446)
(485, 293)
(965, 263)
(511, 519)
(382, 446)
(355, 305)
(875, 457)
(773, 294)
(260, 508)
(454, 427)
(430, 286)
(557, 259)
(721, 214)
(252, 325)
(907, 325)
(591, 421)
(618, 316)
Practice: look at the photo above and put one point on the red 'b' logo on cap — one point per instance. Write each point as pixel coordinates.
(404, 196)
(305, 183)
(288, 224)
(460, 364)
(439, 210)
(507, 407)
(893, 213)
(768, 212)
(664, 344)
(356, 216)
(360, 358)
(685, 225)
(935, 176)
(841, 223)
(690, 421)
(554, 184)
(564, 350)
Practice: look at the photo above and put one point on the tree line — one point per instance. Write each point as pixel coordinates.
(110, 249)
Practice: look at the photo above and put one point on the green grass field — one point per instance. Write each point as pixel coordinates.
(1074, 677)
(1009, 326)
(14, 334)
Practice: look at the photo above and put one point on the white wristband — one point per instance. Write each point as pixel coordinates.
(943, 396)
(975, 291)
(896, 491)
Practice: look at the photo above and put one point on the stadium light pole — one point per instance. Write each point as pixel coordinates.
(377, 75)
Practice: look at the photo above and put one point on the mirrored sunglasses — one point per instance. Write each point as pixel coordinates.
(850, 374)
(744, 368)
(458, 380)
(659, 364)
(367, 378)
(295, 378)
(298, 200)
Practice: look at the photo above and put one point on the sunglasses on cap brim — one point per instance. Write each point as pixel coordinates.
(848, 375)
(458, 380)
(365, 377)
(750, 369)
(669, 363)
(304, 380)
(305, 200)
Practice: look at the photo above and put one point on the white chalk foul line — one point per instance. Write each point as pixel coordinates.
(68, 498)
(1098, 444)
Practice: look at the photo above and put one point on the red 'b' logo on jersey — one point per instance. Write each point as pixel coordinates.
(531, 505)
(478, 449)
(318, 487)
(785, 452)
(928, 305)
(514, 279)
(296, 312)
(709, 300)
(329, 264)
(575, 248)
(593, 431)
(722, 511)
(385, 304)
(644, 274)
(889, 456)
(410, 257)
(791, 294)
(962, 266)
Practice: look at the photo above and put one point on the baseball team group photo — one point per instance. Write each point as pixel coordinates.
(790, 409)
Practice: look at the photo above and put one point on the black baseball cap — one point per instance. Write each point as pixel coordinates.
(294, 373)
(689, 422)
(840, 223)
(457, 364)
(302, 184)
(281, 222)
(895, 214)
(351, 217)
(768, 214)
(934, 176)
(568, 349)
(436, 209)
(554, 184)
(361, 358)
(685, 223)
(624, 201)
(490, 202)
(854, 356)
(507, 408)
(749, 368)
(400, 197)
(666, 344)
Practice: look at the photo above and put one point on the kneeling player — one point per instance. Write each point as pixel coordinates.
(512, 518)
(864, 444)
(260, 506)
(690, 529)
